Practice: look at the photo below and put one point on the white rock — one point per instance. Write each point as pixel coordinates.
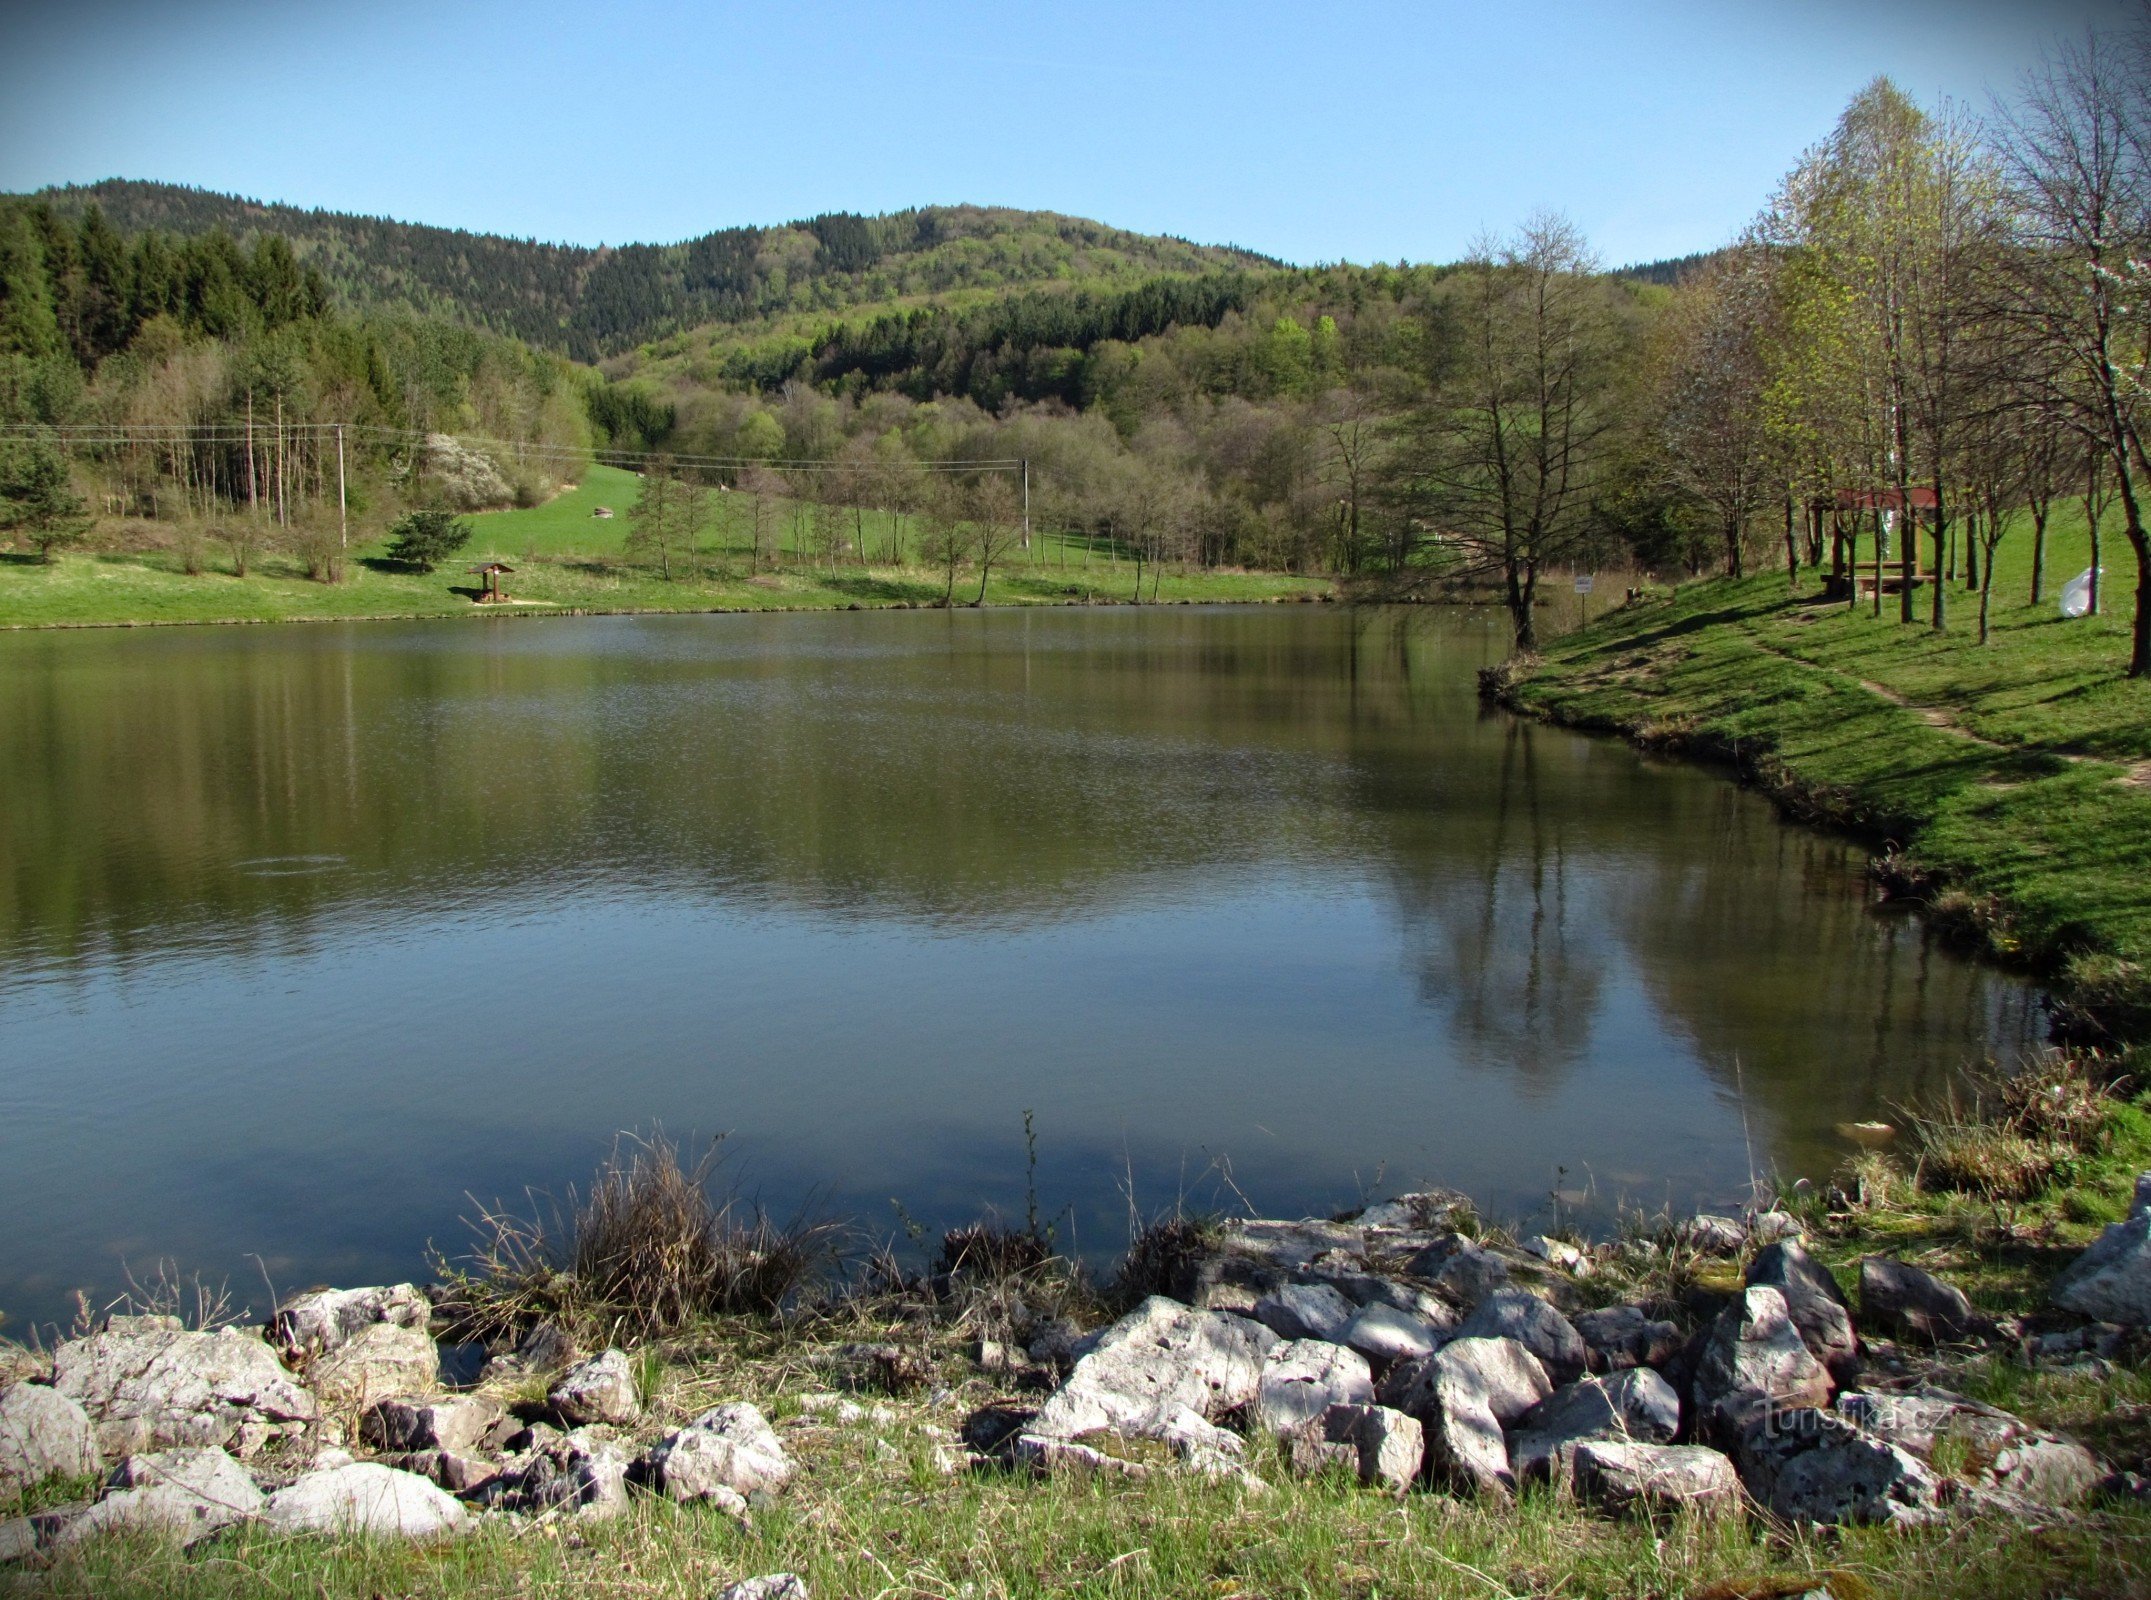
(1808, 1465)
(1305, 1377)
(314, 1324)
(189, 1492)
(1377, 1445)
(1386, 1335)
(161, 1386)
(365, 1498)
(378, 1361)
(1635, 1405)
(1621, 1475)
(773, 1586)
(2000, 1451)
(1754, 1363)
(43, 1433)
(2111, 1280)
(727, 1453)
(1465, 1395)
(1533, 1323)
(1161, 1357)
(1812, 1299)
(448, 1422)
(601, 1389)
(1305, 1311)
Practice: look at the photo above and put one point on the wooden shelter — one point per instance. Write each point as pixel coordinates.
(489, 573)
(1846, 509)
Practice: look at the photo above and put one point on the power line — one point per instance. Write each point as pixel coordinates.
(232, 433)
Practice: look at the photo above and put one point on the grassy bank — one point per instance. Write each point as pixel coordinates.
(568, 559)
(2011, 781)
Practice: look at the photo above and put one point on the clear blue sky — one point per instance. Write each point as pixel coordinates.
(1314, 132)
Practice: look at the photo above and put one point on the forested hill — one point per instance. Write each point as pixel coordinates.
(592, 302)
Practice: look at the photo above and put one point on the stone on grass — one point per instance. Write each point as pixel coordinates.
(1305, 1311)
(1899, 1298)
(1559, 1253)
(580, 1471)
(1622, 1475)
(314, 1324)
(1464, 1271)
(726, 1454)
(1302, 1378)
(601, 1389)
(1635, 1405)
(1712, 1235)
(1385, 1335)
(455, 1423)
(43, 1434)
(189, 1492)
(1618, 1337)
(161, 1386)
(1159, 1357)
(1992, 1449)
(1813, 1300)
(1464, 1395)
(1810, 1465)
(1533, 1323)
(1376, 1445)
(376, 1362)
(2111, 1280)
(1753, 1363)
(771, 1586)
(368, 1499)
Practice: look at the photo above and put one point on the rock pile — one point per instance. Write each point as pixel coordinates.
(1391, 1349)
(1397, 1350)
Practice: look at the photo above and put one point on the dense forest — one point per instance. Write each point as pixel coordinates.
(1928, 336)
(589, 302)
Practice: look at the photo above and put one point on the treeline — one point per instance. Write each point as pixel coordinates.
(592, 302)
(206, 386)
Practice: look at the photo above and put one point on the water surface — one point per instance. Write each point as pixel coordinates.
(307, 933)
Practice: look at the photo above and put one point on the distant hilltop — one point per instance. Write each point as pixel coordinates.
(590, 302)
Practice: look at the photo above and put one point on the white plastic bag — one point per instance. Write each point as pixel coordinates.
(2076, 593)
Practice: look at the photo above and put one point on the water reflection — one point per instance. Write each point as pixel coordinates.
(305, 932)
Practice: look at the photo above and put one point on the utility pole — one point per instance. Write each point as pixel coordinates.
(343, 518)
(1026, 502)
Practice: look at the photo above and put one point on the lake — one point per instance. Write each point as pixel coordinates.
(309, 933)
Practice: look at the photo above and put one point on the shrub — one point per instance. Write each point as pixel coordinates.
(1163, 1257)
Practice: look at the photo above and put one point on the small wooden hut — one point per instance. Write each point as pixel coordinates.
(489, 574)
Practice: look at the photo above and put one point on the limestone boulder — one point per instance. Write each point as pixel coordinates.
(1898, 1298)
(378, 1361)
(1161, 1357)
(2111, 1280)
(1174, 1437)
(1386, 1335)
(1814, 1302)
(1465, 1395)
(1305, 1311)
(1621, 1475)
(1754, 1363)
(1533, 1323)
(188, 1493)
(724, 1455)
(1991, 1449)
(1302, 1378)
(1712, 1235)
(313, 1324)
(149, 1388)
(1814, 1466)
(601, 1389)
(43, 1434)
(456, 1423)
(770, 1586)
(367, 1499)
(1636, 1405)
(1616, 1338)
(584, 1472)
(1380, 1447)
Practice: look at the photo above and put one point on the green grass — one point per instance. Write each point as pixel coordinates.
(566, 559)
(2010, 774)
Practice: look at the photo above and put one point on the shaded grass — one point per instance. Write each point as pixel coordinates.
(2003, 777)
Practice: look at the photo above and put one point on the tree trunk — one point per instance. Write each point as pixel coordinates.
(2038, 511)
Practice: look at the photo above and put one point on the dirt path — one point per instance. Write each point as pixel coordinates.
(2135, 773)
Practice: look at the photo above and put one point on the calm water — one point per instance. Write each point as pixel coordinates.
(308, 932)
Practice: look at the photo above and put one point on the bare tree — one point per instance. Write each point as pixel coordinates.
(1712, 389)
(2073, 149)
(996, 523)
(1504, 457)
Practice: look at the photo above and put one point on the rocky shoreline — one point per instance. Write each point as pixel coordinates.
(1399, 1348)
